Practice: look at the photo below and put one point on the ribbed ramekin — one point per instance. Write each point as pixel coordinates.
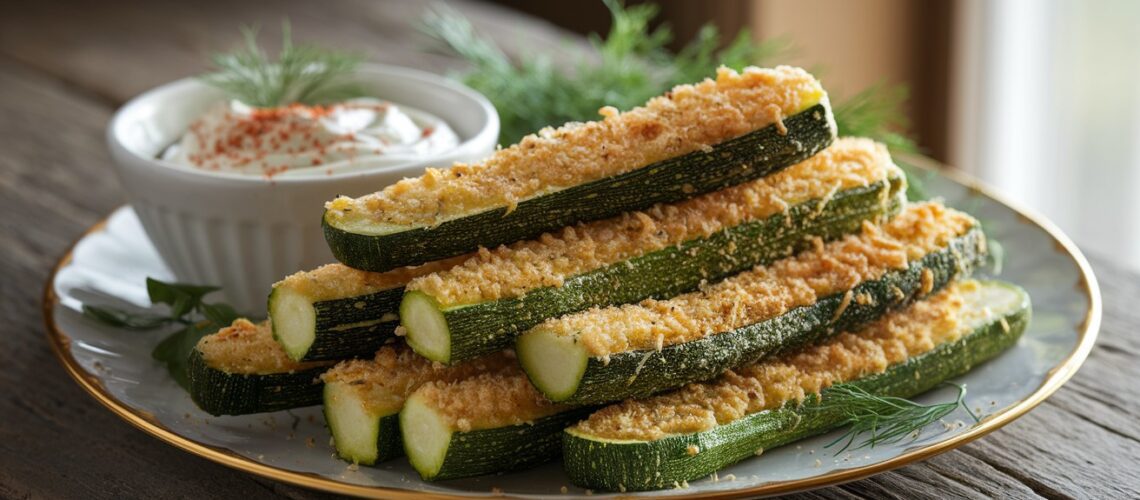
(243, 232)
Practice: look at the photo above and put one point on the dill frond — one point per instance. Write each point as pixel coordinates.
(301, 73)
(883, 419)
(877, 112)
(630, 65)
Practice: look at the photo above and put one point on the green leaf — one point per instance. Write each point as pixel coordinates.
(186, 307)
(181, 298)
(175, 350)
(163, 292)
(220, 314)
(123, 319)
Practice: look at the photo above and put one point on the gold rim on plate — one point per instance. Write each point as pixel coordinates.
(1090, 327)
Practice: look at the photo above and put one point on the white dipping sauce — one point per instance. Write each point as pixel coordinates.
(298, 139)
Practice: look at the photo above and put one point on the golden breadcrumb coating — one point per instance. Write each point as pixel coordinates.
(770, 384)
(685, 119)
(338, 281)
(249, 349)
(766, 291)
(513, 270)
(384, 382)
(488, 400)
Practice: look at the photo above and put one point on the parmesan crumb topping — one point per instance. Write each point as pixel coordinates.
(338, 281)
(248, 348)
(511, 271)
(766, 292)
(488, 400)
(384, 382)
(686, 119)
(772, 383)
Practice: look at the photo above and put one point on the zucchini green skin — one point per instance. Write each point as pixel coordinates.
(389, 444)
(647, 465)
(478, 329)
(642, 373)
(349, 327)
(219, 393)
(504, 449)
(735, 161)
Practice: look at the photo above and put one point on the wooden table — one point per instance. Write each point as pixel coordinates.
(65, 68)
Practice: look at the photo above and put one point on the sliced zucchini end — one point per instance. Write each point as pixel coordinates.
(426, 327)
(427, 436)
(354, 429)
(359, 223)
(987, 298)
(554, 363)
(822, 98)
(294, 321)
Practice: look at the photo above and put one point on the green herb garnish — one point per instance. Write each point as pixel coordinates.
(876, 112)
(632, 64)
(187, 309)
(302, 73)
(885, 419)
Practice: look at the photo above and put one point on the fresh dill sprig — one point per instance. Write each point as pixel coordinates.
(884, 419)
(301, 73)
(630, 65)
(877, 112)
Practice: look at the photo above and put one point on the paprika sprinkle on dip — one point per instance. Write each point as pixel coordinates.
(293, 139)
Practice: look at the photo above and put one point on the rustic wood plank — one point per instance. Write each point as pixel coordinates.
(950, 475)
(1060, 455)
(64, 67)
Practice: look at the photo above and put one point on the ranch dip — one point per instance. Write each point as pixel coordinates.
(300, 139)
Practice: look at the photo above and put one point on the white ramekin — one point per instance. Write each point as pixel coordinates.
(241, 232)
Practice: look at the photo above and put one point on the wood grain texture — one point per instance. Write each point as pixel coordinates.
(63, 69)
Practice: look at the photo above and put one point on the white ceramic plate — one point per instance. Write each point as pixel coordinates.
(108, 265)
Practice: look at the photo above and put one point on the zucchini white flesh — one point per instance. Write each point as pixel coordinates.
(770, 307)
(432, 438)
(341, 332)
(757, 123)
(335, 312)
(602, 454)
(361, 435)
(431, 338)
(489, 423)
(240, 370)
(483, 304)
(363, 398)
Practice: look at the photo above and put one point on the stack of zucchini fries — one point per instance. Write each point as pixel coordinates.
(651, 297)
